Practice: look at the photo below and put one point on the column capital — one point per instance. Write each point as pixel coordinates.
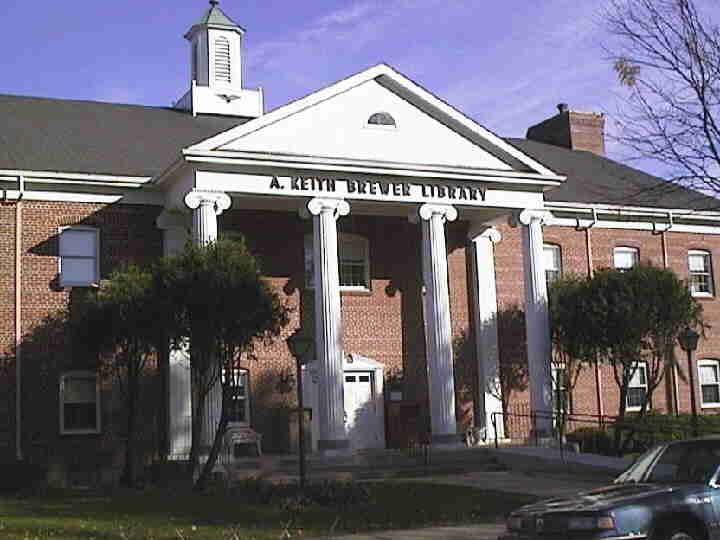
(445, 211)
(528, 216)
(477, 231)
(218, 199)
(318, 205)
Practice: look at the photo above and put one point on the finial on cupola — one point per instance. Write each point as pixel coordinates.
(214, 3)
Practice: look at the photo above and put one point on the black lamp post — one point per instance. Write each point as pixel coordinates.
(688, 341)
(300, 346)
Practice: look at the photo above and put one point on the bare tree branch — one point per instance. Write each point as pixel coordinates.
(666, 53)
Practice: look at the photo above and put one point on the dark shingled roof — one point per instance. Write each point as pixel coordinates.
(40, 134)
(596, 179)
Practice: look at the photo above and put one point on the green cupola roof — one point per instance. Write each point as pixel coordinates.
(215, 17)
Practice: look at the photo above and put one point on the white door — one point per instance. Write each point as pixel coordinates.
(361, 417)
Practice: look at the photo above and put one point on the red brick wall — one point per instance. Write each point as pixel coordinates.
(384, 324)
(127, 233)
(508, 261)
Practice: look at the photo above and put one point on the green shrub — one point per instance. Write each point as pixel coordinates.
(288, 495)
(593, 440)
(656, 427)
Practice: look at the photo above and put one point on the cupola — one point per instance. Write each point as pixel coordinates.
(216, 68)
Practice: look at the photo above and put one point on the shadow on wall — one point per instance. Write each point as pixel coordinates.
(270, 409)
(512, 369)
(47, 354)
(127, 234)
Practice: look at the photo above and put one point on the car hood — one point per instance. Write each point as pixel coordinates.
(597, 499)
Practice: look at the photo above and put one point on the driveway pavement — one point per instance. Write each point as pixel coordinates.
(489, 531)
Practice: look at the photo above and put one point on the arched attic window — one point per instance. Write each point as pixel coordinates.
(384, 119)
(223, 73)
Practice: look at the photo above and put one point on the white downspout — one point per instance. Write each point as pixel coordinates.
(591, 272)
(18, 319)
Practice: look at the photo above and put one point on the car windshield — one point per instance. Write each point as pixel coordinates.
(636, 472)
(686, 462)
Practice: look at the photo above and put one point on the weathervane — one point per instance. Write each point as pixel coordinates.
(214, 3)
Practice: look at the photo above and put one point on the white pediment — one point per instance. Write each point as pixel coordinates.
(338, 128)
(333, 123)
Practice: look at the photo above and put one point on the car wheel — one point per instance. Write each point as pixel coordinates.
(682, 533)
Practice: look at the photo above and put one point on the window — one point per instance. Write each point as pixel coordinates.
(78, 256)
(560, 390)
(709, 375)
(553, 262)
(625, 257)
(637, 389)
(382, 119)
(79, 403)
(239, 412)
(700, 273)
(353, 262)
(222, 60)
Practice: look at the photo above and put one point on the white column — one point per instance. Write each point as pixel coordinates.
(207, 206)
(328, 323)
(483, 239)
(438, 339)
(536, 318)
(178, 419)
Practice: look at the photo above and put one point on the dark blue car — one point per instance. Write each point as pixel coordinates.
(672, 492)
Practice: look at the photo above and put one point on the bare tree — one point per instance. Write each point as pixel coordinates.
(666, 53)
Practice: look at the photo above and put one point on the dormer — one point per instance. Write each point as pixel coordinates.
(216, 68)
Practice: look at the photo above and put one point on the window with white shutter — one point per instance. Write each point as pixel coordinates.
(78, 253)
(222, 60)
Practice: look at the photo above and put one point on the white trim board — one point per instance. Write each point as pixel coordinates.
(133, 197)
(12, 174)
(638, 226)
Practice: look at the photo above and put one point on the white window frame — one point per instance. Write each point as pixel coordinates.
(557, 257)
(708, 362)
(708, 272)
(559, 377)
(343, 238)
(64, 282)
(626, 249)
(638, 367)
(63, 402)
(246, 398)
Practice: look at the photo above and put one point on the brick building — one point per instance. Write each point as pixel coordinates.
(406, 237)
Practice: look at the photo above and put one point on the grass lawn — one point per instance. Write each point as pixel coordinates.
(157, 514)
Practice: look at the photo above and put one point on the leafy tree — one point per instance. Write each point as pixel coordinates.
(570, 350)
(626, 317)
(512, 358)
(124, 321)
(224, 307)
(666, 53)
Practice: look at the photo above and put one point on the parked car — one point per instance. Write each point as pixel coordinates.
(671, 492)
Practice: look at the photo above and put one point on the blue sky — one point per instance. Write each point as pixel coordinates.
(506, 64)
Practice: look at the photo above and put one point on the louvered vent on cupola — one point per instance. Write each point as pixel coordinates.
(222, 60)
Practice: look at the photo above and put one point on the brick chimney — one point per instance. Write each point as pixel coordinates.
(572, 129)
